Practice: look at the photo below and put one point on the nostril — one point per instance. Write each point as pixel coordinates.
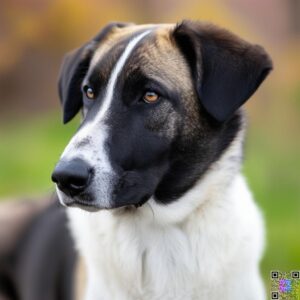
(73, 176)
(79, 181)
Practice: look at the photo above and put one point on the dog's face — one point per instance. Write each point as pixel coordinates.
(159, 106)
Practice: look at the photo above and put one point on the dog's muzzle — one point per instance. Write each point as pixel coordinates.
(79, 186)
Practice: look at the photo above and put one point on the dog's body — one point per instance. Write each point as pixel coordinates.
(207, 246)
(159, 207)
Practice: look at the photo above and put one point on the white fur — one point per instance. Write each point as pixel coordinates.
(205, 245)
(97, 132)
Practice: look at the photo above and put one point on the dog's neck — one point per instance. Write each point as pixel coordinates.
(116, 245)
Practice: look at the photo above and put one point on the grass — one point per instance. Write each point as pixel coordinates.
(273, 175)
(30, 149)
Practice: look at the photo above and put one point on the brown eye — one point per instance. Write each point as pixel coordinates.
(150, 97)
(89, 92)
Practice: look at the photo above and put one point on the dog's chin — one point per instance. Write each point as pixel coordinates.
(92, 205)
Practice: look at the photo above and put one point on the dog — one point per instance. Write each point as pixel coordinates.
(156, 201)
(151, 181)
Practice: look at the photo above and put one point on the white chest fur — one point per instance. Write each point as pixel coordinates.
(212, 254)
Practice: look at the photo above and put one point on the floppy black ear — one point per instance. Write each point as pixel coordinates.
(226, 69)
(73, 70)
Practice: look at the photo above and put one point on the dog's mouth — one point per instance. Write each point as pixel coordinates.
(90, 204)
(85, 206)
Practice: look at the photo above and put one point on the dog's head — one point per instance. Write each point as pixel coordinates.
(160, 104)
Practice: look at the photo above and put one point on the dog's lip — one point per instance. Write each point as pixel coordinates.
(94, 207)
(86, 207)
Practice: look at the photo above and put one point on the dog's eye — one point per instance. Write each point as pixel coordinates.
(150, 97)
(89, 92)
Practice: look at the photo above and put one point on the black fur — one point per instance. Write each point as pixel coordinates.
(190, 159)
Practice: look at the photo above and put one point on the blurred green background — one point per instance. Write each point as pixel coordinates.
(34, 35)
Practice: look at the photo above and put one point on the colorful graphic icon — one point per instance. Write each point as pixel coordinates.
(285, 285)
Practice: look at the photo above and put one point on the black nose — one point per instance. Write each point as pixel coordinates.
(72, 177)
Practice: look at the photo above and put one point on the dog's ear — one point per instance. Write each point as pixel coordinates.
(226, 69)
(73, 70)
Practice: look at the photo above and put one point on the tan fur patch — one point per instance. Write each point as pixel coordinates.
(114, 37)
(163, 62)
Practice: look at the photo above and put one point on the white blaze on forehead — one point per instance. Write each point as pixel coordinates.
(116, 71)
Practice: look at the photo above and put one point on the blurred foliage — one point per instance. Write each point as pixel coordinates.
(29, 151)
(34, 35)
(273, 175)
